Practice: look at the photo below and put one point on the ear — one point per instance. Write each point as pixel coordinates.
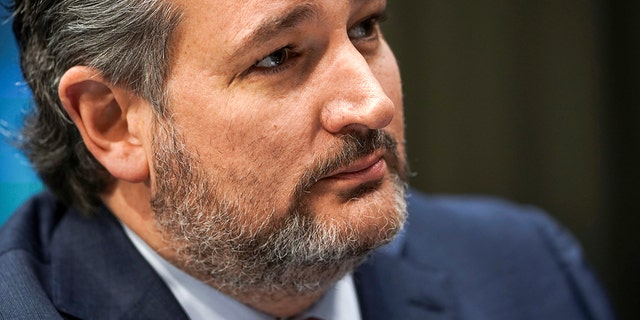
(109, 121)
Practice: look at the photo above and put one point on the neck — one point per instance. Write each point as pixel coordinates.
(281, 305)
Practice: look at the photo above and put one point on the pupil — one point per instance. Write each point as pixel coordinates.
(279, 57)
(361, 30)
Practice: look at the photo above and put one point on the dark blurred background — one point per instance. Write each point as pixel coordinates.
(537, 102)
(534, 101)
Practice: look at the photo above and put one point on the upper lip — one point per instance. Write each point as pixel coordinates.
(358, 165)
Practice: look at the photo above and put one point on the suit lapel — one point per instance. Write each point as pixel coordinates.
(391, 288)
(96, 273)
(393, 285)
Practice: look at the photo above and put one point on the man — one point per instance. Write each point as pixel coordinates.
(240, 160)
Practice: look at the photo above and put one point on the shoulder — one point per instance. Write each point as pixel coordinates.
(458, 230)
(32, 226)
(24, 258)
(477, 212)
(480, 220)
(491, 247)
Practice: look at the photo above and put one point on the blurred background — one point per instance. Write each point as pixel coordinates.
(537, 102)
(533, 101)
(17, 180)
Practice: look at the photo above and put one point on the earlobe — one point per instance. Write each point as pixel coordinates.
(101, 112)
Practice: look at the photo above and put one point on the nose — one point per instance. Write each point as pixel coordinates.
(355, 98)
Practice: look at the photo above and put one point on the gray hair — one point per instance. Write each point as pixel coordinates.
(128, 41)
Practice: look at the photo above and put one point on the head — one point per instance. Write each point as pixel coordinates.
(261, 142)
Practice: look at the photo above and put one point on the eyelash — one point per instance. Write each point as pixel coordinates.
(374, 22)
(291, 54)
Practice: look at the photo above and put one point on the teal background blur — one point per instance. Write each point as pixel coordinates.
(533, 101)
(17, 180)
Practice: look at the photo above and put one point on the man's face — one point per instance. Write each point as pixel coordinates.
(285, 144)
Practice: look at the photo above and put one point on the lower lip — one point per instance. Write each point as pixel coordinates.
(374, 172)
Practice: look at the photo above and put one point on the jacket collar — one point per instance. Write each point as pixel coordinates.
(393, 284)
(396, 289)
(97, 273)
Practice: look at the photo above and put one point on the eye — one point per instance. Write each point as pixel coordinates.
(275, 62)
(365, 30)
(276, 59)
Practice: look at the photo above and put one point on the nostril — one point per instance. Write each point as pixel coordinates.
(355, 128)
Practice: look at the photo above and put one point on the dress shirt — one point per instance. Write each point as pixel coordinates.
(201, 301)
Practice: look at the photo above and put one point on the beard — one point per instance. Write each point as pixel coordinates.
(241, 245)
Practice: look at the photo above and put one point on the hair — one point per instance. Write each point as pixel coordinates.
(128, 41)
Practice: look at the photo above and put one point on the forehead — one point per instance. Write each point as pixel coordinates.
(233, 21)
(222, 25)
(240, 17)
(221, 33)
(233, 16)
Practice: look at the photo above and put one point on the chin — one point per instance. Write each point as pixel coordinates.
(372, 213)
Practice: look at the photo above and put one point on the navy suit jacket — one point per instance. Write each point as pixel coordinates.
(457, 258)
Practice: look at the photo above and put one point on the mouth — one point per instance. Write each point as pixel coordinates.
(367, 169)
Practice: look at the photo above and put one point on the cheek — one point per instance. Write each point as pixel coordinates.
(263, 137)
(250, 148)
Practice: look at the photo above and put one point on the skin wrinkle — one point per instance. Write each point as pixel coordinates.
(272, 27)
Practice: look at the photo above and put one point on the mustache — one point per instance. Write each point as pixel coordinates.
(355, 145)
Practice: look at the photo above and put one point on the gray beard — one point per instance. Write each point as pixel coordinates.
(240, 248)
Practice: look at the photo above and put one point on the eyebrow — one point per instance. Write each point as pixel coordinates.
(271, 27)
